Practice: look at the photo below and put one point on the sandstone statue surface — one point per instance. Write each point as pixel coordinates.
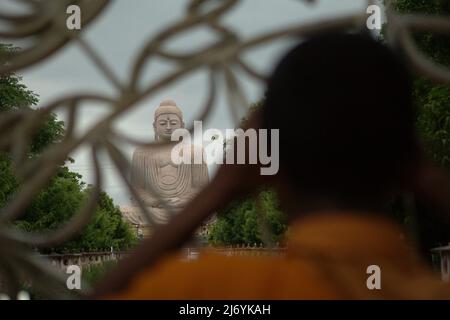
(155, 176)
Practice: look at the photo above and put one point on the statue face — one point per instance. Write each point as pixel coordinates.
(165, 124)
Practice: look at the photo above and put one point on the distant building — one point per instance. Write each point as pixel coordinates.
(442, 256)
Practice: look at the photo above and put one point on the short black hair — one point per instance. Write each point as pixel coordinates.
(343, 104)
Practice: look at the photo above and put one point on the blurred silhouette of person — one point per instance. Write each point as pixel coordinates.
(343, 105)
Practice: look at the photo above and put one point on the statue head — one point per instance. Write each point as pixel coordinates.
(168, 118)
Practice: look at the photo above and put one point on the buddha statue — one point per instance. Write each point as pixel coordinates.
(153, 169)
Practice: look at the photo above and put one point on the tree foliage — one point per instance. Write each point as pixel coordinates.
(245, 221)
(65, 193)
(241, 223)
(432, 102)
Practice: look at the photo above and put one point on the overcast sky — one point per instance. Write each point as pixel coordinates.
(121, 30)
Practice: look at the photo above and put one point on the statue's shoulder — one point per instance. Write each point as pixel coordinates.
(141, 151)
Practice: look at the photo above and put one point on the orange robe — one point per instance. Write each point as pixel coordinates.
(327, 258)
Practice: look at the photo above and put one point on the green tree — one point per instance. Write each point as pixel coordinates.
(65, 193)
(243, 221)
(14, 96)
(432, 102)
(250, 220)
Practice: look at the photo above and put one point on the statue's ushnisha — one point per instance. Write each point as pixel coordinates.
(153, 169)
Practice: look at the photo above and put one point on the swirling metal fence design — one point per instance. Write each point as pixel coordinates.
(45, 24)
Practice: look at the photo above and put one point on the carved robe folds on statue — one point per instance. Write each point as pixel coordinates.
(153, 171)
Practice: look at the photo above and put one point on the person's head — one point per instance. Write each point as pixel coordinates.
(343, 104)
(168, 118)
